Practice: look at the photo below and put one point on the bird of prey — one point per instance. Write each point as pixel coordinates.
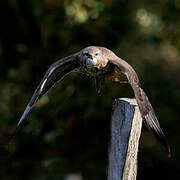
(100, 63)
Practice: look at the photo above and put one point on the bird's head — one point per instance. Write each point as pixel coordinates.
(92, 58)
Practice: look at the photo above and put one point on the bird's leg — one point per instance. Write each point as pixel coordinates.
(99, 83)
(118, 79)
(117, 76)
(125, 81)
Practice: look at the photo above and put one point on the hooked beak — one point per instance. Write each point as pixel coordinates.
(90, 56)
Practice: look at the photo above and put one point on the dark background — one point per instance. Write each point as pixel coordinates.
(69, 129)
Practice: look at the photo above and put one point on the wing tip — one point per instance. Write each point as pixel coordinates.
(153, 125)
(28, 108)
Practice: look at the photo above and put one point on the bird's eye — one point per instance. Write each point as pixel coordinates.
(96, 54)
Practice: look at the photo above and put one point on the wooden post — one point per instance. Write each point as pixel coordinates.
(125, 133)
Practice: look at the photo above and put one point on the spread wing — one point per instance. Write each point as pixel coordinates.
(145, 107)
(54, 74)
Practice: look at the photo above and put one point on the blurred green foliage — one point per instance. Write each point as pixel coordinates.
(69, 129)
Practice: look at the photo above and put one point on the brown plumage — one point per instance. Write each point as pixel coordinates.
(101, 63)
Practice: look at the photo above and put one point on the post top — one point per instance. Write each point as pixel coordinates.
(131, 101)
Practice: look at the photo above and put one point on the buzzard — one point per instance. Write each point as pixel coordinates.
(100, 63)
